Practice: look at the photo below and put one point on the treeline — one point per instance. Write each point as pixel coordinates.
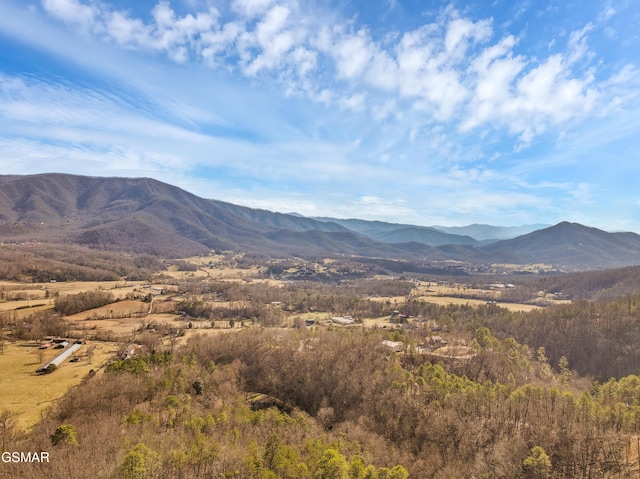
(249, 300)
(240, 311)
(587, 285)
(76, 303)
(33, 326)
(46, 262)
(606, 284)
(599, 338)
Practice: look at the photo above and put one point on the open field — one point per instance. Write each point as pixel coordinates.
(18, 294)
(30, 304)
(215, 266)
(119, 309)
(446, 295)
(28, 394)
(123, 322)
(446, 300)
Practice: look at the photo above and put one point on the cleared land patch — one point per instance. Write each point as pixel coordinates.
(28, 394)
(119, 309)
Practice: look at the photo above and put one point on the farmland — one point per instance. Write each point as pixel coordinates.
(335, 348)
(28, 394)
(148, 312)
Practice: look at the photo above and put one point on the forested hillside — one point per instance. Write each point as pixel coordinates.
(41, 263)
(335, 404)
(599, 338)
(146, 216)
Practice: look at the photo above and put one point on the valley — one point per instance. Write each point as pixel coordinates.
(192, 338)
(214, 309)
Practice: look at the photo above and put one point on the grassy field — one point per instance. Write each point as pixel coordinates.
(119, 309)
(446, 295)
(122, 319)
(446, 300)
(27, 394)
(214, 267)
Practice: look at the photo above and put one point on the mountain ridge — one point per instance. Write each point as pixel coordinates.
(144, 215)
(400, 233)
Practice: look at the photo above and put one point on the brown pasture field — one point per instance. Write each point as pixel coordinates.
(118, 309)
(445, 295)
(218, 271)
(122, 318)
(26, 304)
(200, 273)
(446, 300)
(118, 288)
(28, 394)
(381, 323)
(37, 292)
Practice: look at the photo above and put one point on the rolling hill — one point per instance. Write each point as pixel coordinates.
(399, 233)
(138, 214)
(489, 233)
(571, 245)
(143, 215)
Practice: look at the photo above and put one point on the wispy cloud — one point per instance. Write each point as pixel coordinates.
(456, 114)
(454, 69)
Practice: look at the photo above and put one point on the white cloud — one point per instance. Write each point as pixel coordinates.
(393, 209)
(273, 38)
(72, 11)
(578, 48)
(126, 31)
(218, 42)
(547, 95)
(304, 60)
(352, 54)
(452, 71)
(251, 8)
(527, 97)
(354, 102)
(460, 31)
(383, 72)
(386, 110)
(429, 71)
(495, 69)
(607, 12)
(582, 193)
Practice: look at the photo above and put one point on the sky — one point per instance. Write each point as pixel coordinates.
(418, 112)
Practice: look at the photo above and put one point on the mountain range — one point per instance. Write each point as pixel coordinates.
(147, 216)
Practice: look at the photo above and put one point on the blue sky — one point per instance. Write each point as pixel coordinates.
(422, 112)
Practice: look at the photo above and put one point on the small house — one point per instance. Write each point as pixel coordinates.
(394, 346)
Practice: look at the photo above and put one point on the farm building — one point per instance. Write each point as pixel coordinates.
(59, 359)
(342, 320)
(395, 346)
(436, 341)
(398, 318)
